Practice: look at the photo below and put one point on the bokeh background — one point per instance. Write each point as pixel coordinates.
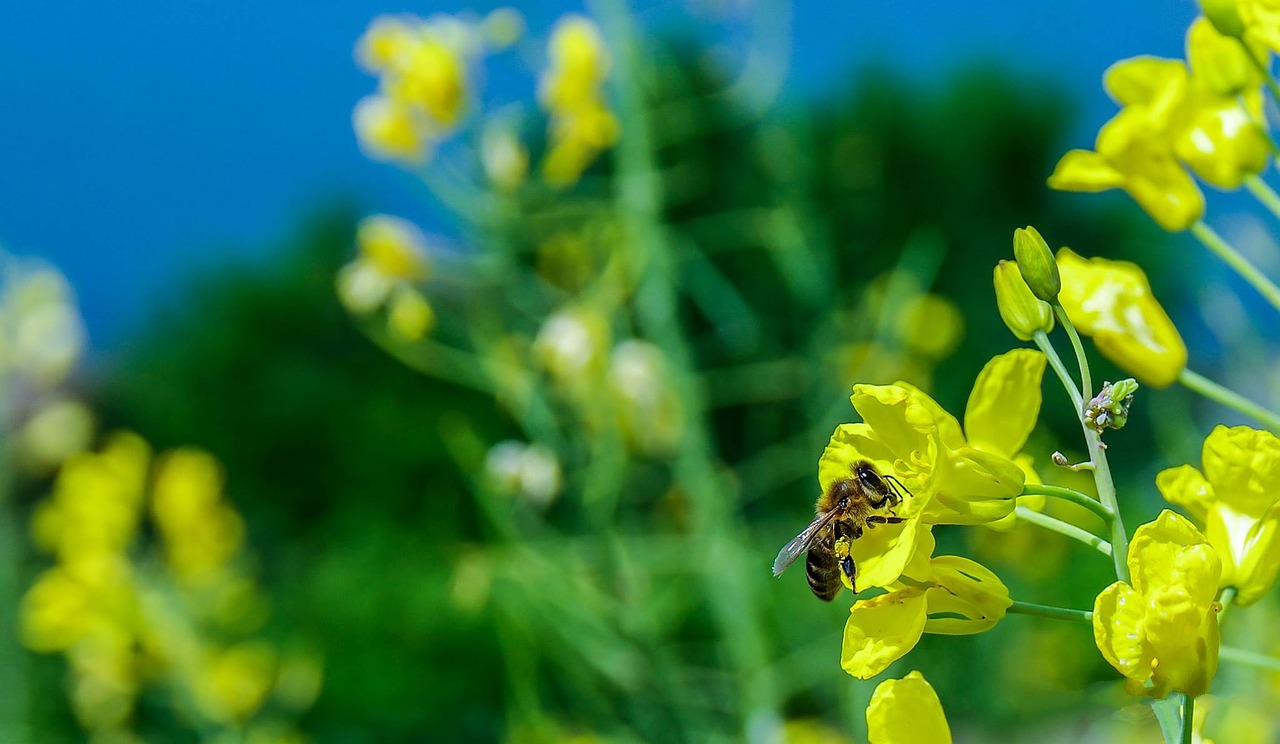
(192, 170)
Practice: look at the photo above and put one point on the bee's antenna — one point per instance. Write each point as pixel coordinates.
(903, 490)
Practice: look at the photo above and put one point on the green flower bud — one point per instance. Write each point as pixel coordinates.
(1035, 260)
(1109, 409)
(1021, 311)
(1224, 16)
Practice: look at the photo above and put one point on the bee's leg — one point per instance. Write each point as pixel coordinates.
(880, 519)
(850, 570)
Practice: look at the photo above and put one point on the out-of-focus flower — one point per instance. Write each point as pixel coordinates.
(527, 470)
(931, 325)
(571, 91)
(1221, 62)
(950, 480)
(41, 334)
(236, 681)
(811, 731)
(505, 159)
(1237, 499)
(906, 711)
(391, 260)
(59, 428)
(571, 345)
(1161, 631)
(1112, 302)
(947, 595)
(1022, 312)
(200, 532)
(1208, 121)
(422, 70)
(649, 411)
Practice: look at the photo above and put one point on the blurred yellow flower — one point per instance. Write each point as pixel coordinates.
(236, 681)
(1237, 499)
(391, 259)
(388, 131)
(1221, 62)
(906, 434)
(648, 409)
(571, 91)
(811, 731)
(947, 595)
(1161, 631)
(59, 428)
(1112, 302)
(571, 345)
(906, 711)
(931, 325)
(200, 532)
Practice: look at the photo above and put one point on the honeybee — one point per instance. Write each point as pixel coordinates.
(844, 511)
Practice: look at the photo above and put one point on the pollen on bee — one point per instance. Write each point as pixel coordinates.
(841, 547)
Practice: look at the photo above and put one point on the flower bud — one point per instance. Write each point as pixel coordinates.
(1021, 311)
(1224, 16)
(1036, 262)
(1109, 409)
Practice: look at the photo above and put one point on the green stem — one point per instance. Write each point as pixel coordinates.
(1226, 598)
(1249, 658)
(1188, 717)
(1263, 192)
(1229, 398)
(1237, 262)
(1086, 384)
(13, 661)
(1264, 69)
(1063, 528)
(1053, 613)
(1075, 497)
(1055, 361)
(1098, 456)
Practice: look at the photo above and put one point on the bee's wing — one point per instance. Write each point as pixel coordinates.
(801, 543)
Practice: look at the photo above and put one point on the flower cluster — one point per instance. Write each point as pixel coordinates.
(422, 70)
(185, 621)
(571, 91)
(390, 263)
(1204, 115)
(952, 475)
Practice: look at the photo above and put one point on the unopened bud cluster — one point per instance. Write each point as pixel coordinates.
(1109, 409)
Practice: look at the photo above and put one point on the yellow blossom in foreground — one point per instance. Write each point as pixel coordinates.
(1112, 302)
(906, 434)
(947, 595)
(906, 711)
(1161, 631)
(1237, 499)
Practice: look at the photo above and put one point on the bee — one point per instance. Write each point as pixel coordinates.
(844, 512)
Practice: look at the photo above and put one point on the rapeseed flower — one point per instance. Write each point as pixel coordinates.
(571, 91)
(1237, 499)
(390, 263)
(906, 711)
(947, 595)
(1112, 302)
(1022, 312)
(1161, 630)
(949, 479)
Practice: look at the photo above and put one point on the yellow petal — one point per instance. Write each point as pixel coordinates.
(1171, 551)
(1085, 170)
(1257, 564)
(968, 596)
(903, 418)
(1005, 402)
(884, 551)
(1221, 62)
(1221, 142)
(974, 487)
(881, 630)
(1187, 487)
(1243, 464)
(850, 444)
(1119, 630)
(1112, 302)
(1156, 84)
(906, 711)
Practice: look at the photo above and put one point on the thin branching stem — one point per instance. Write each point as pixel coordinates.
(1231, 399)
(1075, 497)
(1063, 528)
(1238, 263)
(1053, 613)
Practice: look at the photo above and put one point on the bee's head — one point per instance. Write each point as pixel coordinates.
(869, 478)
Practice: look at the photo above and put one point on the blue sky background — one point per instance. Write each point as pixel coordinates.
(142, 142)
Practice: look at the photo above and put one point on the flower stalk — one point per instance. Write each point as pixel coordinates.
(1241, 265)
(1063, 528)
(1231, 399)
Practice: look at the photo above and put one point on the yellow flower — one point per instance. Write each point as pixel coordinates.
(236, 681)
(1126, 156)
(571, 345)
(906, 434)
(1237, 499)
(571, 91)
(1221, 62)
(1161, 631)
(387, 130)
(1022, 312)
(200, 532)
(1261, 19)
(1112, 302)
(906, 711)
(392, 258)
(409, 314)
(394, 246)
(947, 595)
